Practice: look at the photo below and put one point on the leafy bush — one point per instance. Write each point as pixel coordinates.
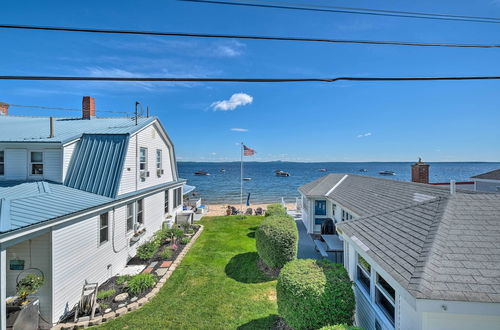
(277, 240)
(185, 240)
(275, 209)
(162, 235)
(120, 280)
(166, 253)
(315, 293)
(178, 233)
(140, 283)
(147, 250)
(340, 327)
(105, 293)
(29, 285)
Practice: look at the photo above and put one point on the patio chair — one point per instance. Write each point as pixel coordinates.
(259, 211)
(249, 211)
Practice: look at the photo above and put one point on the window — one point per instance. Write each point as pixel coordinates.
(143, 159)
(140, 211)
(177, 197)
(158, 159)
(385, 297)
(320, 207)
(103, 228)
(2, 162)
(36, 160)
(333, 209)
(130, 217)
(319, 221)
(166, 201)
(346, 216)
(363, 270)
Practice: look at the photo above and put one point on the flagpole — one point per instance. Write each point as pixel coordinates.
(241, 180)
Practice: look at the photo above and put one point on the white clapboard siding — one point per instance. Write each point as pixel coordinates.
(151, 139)
(16, 164)
(67, 154)
(78, 256)
(36, 254)
(52, 161)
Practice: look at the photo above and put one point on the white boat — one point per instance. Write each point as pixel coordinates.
(282, 173)
(323, 170)
(387, 173)
(247, 179)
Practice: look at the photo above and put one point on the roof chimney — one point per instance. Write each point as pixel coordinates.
(88, 107)
(420, 172)
(453, 188)
(4, 109)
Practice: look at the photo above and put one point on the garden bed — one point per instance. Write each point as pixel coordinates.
(140, 288)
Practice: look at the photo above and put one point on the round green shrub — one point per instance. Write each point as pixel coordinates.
(315, 293)
(275, 210)
(277, 240)
(147, 250)
(185, 240)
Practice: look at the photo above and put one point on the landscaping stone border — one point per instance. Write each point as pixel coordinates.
(136, 304)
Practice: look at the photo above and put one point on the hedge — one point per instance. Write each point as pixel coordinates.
(277, 240)
(315, 293)
(275, 210)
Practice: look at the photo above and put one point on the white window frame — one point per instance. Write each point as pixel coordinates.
(35, 163)
(145, 162)
(139, 212)
(166, 203)
(129, 216)
(101, 227)
(2, 162)
(366, 291)
(159, 162)
(392, 301)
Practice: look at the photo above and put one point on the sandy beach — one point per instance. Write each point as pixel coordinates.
(220, 209)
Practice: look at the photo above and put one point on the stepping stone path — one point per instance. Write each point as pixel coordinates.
(166, 264)
(161, 271)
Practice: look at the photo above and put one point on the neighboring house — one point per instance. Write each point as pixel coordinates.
(73, 191)
(489, 181)
(420, 256)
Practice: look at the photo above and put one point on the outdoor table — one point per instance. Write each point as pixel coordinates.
(333, 243)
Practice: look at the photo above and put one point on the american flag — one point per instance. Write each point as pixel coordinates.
(248, 151)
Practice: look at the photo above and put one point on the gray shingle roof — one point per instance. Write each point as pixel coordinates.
(492, 175)
(447, 248)
(366, 195)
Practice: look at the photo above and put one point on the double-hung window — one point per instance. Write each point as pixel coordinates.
(363, 270)
(346, 216)
(158, 159)
(36, 161)
(140, 211)
(177, 197)
(385, 297)
(320, 207)
(103, 228)
(166, 201)
(143, 159)
(2, 162)
(130, 217)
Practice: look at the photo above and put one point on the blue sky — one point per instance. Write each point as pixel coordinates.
(345, 121)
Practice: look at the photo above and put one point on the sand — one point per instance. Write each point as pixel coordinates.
(220, 209)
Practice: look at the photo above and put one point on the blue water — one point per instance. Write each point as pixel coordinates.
(266, 187)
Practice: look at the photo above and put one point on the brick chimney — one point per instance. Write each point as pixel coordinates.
(420, 172)
(88, 107)
(4, 109)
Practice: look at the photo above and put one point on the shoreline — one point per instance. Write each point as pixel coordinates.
(220, 209)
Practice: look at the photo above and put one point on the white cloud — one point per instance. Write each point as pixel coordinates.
(239, 129)
(236, 100)
(364, 135)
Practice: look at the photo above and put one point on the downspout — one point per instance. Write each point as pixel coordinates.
(113, 236)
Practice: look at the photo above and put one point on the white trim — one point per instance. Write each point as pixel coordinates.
(360, 243)
(336, 185)
(486, 180)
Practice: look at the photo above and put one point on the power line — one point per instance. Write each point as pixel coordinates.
(357, 11)
(235, 36)
(61, 109)
(248, 80)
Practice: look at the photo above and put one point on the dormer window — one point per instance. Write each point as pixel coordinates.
(2, 162)
(36, 161)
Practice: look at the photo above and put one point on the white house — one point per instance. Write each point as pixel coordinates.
(489, 181)
(420, 257)
(73, 191)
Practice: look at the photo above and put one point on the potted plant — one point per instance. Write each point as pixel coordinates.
(28, 285)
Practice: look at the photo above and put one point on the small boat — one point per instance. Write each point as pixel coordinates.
(282, 173)
(247, 179)
(222, 170)
(363, 170)
(323, 170)
(387, 173)
(201, 173)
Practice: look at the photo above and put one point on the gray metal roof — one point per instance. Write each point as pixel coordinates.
(37, 129)
(492, 175)
(26, 203)
(97, 163)
(447, 248)
(366, 195)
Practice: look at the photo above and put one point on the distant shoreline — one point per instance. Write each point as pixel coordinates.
(339, 162)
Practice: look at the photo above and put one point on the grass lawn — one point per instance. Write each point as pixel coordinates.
(217, 285)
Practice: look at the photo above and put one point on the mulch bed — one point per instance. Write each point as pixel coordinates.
(269, 271)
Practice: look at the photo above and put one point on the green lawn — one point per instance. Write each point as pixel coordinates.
(217, 285)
